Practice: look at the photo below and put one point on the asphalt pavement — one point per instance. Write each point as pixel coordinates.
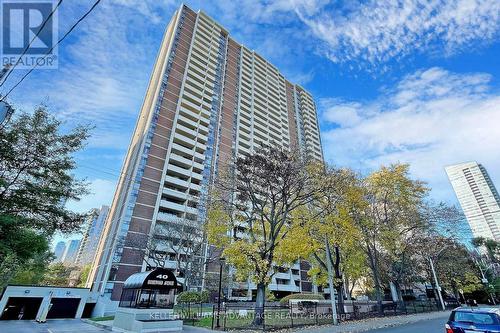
(66, 326)
(51, 326)
(423, 326)
(430, 322)
(421, 323)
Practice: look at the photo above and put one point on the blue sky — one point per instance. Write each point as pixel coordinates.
(395, 81)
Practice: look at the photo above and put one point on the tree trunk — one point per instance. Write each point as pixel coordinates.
(340, 297)
(259, 305)
(376, 281)
(399, 291)
(339, 285)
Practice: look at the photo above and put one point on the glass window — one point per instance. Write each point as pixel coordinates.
(474, 318)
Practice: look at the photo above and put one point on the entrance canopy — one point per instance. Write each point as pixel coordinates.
(158, 279)
(151, 289)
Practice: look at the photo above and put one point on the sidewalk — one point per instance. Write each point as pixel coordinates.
(374, 323)
(346, 327)
(108, 325)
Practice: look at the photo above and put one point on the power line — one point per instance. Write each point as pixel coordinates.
(52, 48)
(127, 178)
(31, 42)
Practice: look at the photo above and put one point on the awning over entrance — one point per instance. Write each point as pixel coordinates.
(159, 279)
(151, 289)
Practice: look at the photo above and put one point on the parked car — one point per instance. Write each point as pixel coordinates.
(474, 320)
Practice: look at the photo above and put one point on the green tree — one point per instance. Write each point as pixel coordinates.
(331, 237)
(251, 214)
(386, 209)
(84, 274)
(36, 180)
(57, 275)
(491, 246)
(34, 270)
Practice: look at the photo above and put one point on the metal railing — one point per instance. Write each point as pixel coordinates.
(235, 316)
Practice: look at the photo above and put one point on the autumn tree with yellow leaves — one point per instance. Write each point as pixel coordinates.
(251, 214)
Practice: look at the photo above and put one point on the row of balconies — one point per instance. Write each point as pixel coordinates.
(180, 183)
(181, 208)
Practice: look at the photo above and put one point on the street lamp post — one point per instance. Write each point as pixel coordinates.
(221, 262)
(438, 288)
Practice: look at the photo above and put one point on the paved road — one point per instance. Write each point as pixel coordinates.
(417, 323)
(423, 326)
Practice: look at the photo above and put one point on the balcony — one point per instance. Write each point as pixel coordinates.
(176, 181)
(172, 206)
(174, 193)
(184, 140)
(179, 171)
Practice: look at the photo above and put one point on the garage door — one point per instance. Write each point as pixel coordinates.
(63, 308)
(21, 308)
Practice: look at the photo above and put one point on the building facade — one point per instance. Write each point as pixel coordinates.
(209, 100)
(93, 228)
(69, 255)
(59, 251)
(478, 198)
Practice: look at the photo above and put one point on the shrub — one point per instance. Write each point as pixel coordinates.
(193, 297)
(319, 297)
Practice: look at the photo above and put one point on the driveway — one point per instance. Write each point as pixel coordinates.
(51, 326)
(67, 326)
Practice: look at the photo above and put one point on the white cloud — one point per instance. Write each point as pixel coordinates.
(341, 113)
(378, 30)
(103, 68)
(430, 119)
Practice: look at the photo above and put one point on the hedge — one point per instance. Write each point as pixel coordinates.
(193, 297)
(318, 297)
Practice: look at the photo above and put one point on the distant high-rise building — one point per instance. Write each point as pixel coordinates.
(69, 256)
(93, 227)
(209, 100)
(59, 250)
(478, 197)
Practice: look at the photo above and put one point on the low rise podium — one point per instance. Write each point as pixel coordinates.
(147, 303)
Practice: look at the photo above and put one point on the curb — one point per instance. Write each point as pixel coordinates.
(97, 324)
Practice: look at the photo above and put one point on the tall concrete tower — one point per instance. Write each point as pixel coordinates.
(478, 197)
(209, 100)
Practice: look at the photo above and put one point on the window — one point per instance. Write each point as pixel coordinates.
(474, 318)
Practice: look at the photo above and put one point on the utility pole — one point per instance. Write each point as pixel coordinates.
(438, 288)
(330, 281)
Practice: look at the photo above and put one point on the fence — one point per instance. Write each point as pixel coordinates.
(234, 316)
(196, 314)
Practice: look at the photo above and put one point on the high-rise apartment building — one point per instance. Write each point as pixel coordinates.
(478, 197)
(59, 251)
(69, 256)
(209, 100)
(93, 228)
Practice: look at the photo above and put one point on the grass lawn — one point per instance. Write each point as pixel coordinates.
(276, 317)
(102, 318)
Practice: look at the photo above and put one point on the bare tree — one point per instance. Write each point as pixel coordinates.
(254, 203)
(181, 241)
